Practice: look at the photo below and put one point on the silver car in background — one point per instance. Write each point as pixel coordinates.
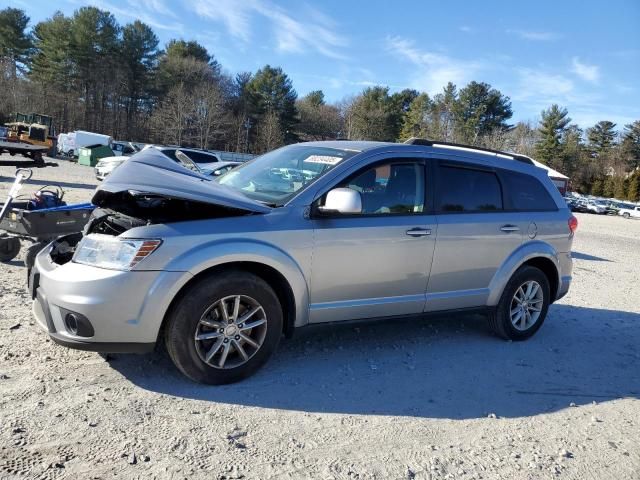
(220, 269)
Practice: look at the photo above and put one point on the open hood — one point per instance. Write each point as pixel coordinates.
(151, 172)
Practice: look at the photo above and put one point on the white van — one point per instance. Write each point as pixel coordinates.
(72, 142)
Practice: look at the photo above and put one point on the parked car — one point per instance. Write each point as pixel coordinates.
(107, 165)
(205, 160)
(597, 207)
(577, 205)
(124, 148)
(221, 168)
(219, 269)
(633, 212)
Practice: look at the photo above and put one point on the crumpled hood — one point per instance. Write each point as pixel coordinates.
(152, 172)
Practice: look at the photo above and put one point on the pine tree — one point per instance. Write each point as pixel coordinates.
(414, 123)
(609, 187)
(633, 192)
(620, 190)
(552, 126)
(631, 144)
(15, 43)
(596, 187)
(601, 137)
(271, 91)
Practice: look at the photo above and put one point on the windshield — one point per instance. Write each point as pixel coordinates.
(277, 176)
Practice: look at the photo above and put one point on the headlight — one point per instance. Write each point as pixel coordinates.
(105, 251)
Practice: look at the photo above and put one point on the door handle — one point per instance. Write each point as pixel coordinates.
(419, 232)
(509, 228)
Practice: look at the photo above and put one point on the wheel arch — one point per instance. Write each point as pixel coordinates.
(276, 279)
(536, 254)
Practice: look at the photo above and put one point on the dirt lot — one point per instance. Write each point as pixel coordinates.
(437, 398)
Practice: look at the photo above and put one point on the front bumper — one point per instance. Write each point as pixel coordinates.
(125, 309)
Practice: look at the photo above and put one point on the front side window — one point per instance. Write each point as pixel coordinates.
(394, 187)
(468, 190)
(277, 176)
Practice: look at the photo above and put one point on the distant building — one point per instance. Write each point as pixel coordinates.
(559, 180)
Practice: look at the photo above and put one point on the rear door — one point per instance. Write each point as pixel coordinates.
(476, 234)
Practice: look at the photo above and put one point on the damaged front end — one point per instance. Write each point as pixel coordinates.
(149, 188)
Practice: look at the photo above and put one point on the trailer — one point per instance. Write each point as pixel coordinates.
(33, 152)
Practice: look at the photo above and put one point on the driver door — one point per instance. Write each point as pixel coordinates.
(375, 263)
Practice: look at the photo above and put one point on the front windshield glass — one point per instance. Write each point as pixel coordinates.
(277, 176)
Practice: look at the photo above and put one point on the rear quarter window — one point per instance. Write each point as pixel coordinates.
(468, 190)
(527, 193)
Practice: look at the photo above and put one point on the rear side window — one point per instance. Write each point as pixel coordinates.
(527, 193)
(468, 190)
(199, 157)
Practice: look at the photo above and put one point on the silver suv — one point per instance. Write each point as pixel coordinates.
(220, 269)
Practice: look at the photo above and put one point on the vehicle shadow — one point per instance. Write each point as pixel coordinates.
(586, 256)
(440, 368)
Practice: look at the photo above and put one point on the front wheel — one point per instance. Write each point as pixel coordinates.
(523, 305)
(224, 328)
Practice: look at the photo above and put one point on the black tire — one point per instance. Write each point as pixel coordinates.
(9, 248)
(500, 317)
(185, 315)
(30, 254)
(626, 215)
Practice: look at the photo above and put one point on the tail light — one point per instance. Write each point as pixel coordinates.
(573, 224)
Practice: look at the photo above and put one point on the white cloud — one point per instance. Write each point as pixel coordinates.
(535, 35)
(134, 11)
(434, 70)
(547, 87)
(157, 6)
(291, 35)
(590, 73)
(466, 29)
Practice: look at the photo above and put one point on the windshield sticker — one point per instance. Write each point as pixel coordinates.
(324, 159)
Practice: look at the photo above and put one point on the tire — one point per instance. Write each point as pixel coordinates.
(201, 302)
(30, 254)
(9, 248)
(500, 319)
(626, 215)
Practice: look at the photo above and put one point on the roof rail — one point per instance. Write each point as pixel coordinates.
(436, 143)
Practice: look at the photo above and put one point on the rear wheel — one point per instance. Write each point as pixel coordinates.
(9, 248)
(224, 328)
(626, 215)
(523, 305)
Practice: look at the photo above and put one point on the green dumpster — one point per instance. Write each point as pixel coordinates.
(91, 154)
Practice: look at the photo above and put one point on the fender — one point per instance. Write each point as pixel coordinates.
(525, 252)
(228, 250)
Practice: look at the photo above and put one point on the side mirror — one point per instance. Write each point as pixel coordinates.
(342, 200)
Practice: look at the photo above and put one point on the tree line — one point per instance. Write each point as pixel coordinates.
(91, 73)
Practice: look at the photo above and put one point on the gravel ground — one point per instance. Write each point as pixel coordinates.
(426, 399)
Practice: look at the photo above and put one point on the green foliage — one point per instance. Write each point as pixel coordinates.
(552, 126)
(631, 144)
(633, 191)
(620, 188)
(609, 187)
(416, 119)
(15, 43)
(597, 187)
(315, 98)
(479, 110)
(601, 137)
(271, 91)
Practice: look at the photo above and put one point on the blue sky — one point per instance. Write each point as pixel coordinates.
(584, 55)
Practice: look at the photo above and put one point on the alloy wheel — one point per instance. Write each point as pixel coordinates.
(526, 305)
(230, 331)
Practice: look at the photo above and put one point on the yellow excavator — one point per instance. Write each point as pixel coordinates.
(32, 128)
(31, 135)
